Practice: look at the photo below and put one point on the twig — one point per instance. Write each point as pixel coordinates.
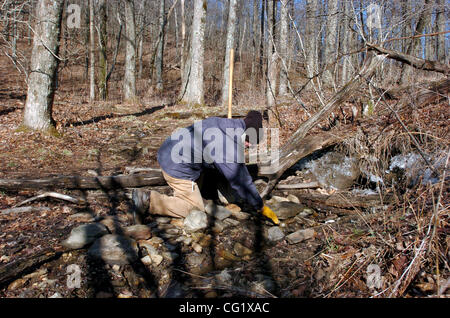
(51, 195)
(306, 185)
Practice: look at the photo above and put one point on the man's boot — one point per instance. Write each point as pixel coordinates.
(141, 201)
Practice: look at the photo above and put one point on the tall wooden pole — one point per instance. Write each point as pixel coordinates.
(230, 87)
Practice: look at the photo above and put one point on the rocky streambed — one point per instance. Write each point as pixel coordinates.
(218, 253)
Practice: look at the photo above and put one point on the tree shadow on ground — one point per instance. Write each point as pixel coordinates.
(97, 119)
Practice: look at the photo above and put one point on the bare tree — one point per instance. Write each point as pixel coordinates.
(284, 29)
(160, 49)
(103, 42)
(44, 65)
(231, 30)
(91, 51)
(330, 39)
(193, 93)
(129, 82)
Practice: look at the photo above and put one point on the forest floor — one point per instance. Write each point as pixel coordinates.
(355, 252)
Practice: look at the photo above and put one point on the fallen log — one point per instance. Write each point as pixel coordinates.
(342, 200)
(21, 266)
(79, 182)
(418, 63)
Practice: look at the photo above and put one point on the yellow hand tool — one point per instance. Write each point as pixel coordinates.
(266, 211)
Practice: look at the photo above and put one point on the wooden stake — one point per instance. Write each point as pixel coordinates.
(230, 87)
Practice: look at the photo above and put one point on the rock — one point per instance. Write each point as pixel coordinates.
(224, 277)
(111, 223)
(275, 234)
(177, 222)
(115, 249)
(219, 226)
(82, 217)
(240, 215)
(300, 235)
(163, 220)
(241, 251)
(197, 247)
(293, 198)
(217, 211)
(286, 209)
(84, 235)
(146, 260)
(306, 212)
(195, 221)
(154, 258)
(138, 232)
(233, 208)
(277, 199)
(232, 222)
(56, 295)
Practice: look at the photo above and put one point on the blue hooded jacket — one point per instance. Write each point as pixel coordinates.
(211, 143)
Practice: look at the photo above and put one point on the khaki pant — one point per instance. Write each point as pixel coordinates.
(186, 197)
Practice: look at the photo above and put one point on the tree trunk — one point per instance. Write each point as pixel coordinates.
(271, 56)
(255, 41)
(412, 49)
(231, 30)
(194, 86)
(183, 41)
(129, 84)
(284, 27)
(44, 65)
(91, 51)
(160, 49)
(330, 39)
(103, 41)
(441, 27)
(311, 50)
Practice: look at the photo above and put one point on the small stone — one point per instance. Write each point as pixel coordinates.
(300, 235)
(275, 234)
(195, 221)
(155, 241)
(82, 217)
(240, 250)
(5, 259)
(84, 235)
(224, 277)
(56, 295)
(293, 198)
(138, 232)
(286, 209)
(163, 220)
(146, 260)
(277, 199)
(156, 259)
(219, 226)
(115, 249)
(306, 212)
(233, 208)
(232, 222)
(241, 215)
(197, 247)
(177, 222)
(217, 211)
(111, 223)
(116, 268)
